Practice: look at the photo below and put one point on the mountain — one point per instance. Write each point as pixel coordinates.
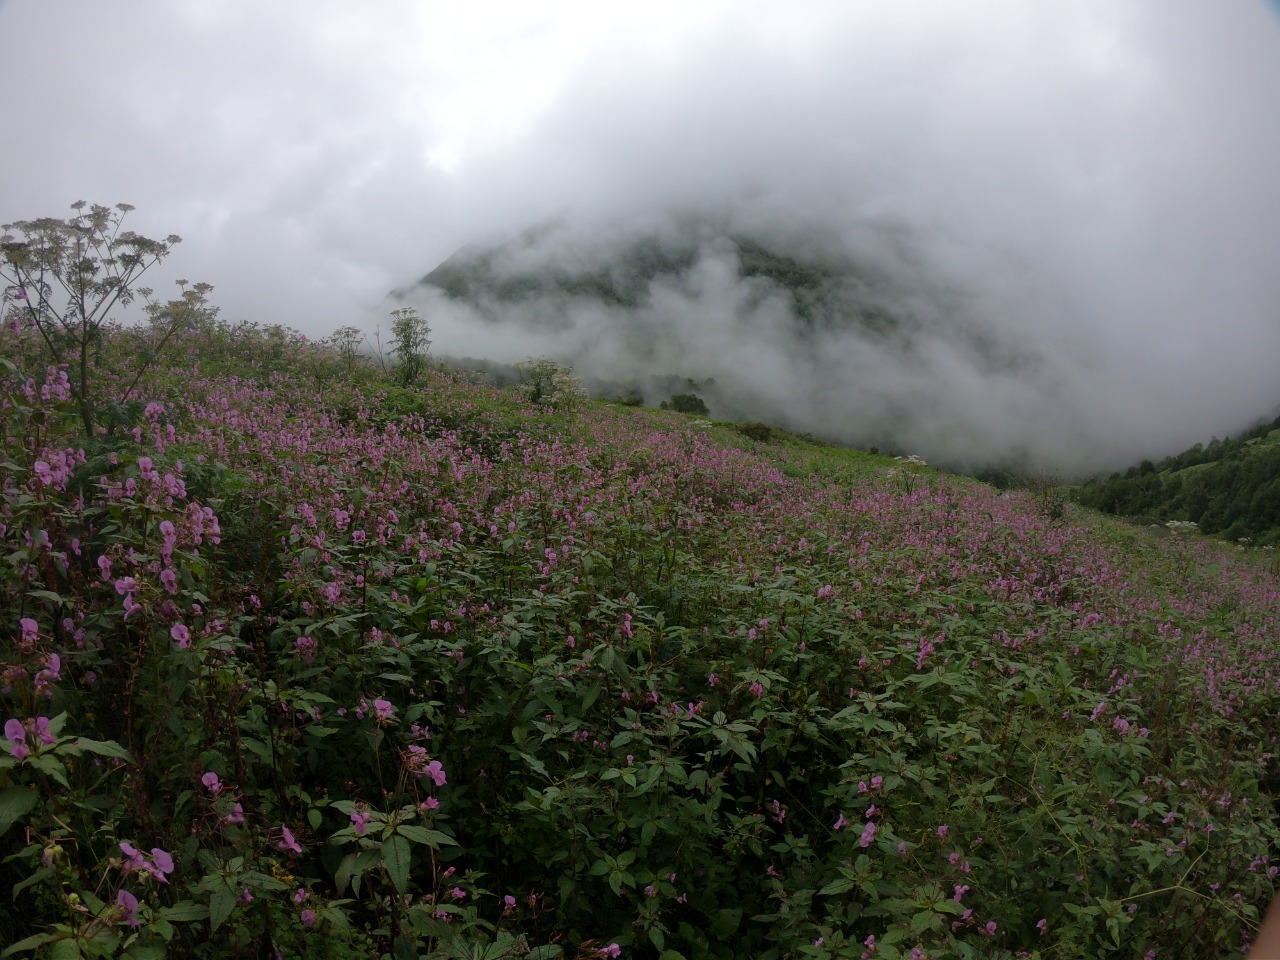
(869, 343)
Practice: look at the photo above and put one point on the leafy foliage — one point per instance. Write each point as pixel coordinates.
(344, 669)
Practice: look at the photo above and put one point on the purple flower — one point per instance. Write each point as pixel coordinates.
(129, 905)
(161, 864)
(17, 736)
(840, 823)
(30, 629)
(435, 771)
(287, 841)
(104, 567)
(136, 861)
(43, 733)
(383, 709)
(359, 818)
(211, 782)
(308, 918)
(868, 834)
(181, 634)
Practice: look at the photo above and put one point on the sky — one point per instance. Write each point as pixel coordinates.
(1098, 175)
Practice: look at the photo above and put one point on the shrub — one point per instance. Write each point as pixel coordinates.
(688, 403)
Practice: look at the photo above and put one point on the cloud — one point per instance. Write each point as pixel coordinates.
(1094, 180)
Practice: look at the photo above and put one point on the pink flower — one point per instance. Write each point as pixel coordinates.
(135, 861)
(235, 816)
(840, 823)
(868, 834)
(129, 907)
(211, 782)
(287, 841)
(612, 950)
(161, 864)
(359, 818)
(1042, 925)
(942, 830)
(383, 709)
(17, 736)
(30, 629)
(180, 633)
(43, 733)
(435, 771)
(308, 918)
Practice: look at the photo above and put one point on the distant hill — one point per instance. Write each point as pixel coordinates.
(866, 344)
(1229, 487)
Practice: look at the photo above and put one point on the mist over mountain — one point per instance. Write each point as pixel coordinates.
(868, 336)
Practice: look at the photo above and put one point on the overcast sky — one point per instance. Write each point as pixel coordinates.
(1105, 169)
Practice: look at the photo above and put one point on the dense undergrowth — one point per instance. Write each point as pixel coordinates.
(303, 664)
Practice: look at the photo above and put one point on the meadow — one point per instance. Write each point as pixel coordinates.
(304, 663)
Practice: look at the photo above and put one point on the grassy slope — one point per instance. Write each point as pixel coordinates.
(684, 692)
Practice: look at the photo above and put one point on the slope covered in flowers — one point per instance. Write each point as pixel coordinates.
(306, 663)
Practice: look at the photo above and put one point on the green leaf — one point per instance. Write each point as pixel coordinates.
(843, 885)
(44, 873)
(103, 748)
(548, 951)
(396, 858)
(52, 766)
(155, 951)
(184, 912)
(433, 838)
(39, 940)
(15, 802)
(220, 906)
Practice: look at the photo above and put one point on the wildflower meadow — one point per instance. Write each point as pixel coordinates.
(303, 660)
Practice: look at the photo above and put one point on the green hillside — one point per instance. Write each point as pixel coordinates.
(1230, 487)
(312, 663)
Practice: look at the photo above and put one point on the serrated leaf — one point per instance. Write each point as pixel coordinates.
(220, 906)
(432, 838)
(39, 940)
(51, 766)
(184, 912)
(153, 951)
(44, 873)
(396, 859)
(843, 885)
(103, 748)
(15, 802)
